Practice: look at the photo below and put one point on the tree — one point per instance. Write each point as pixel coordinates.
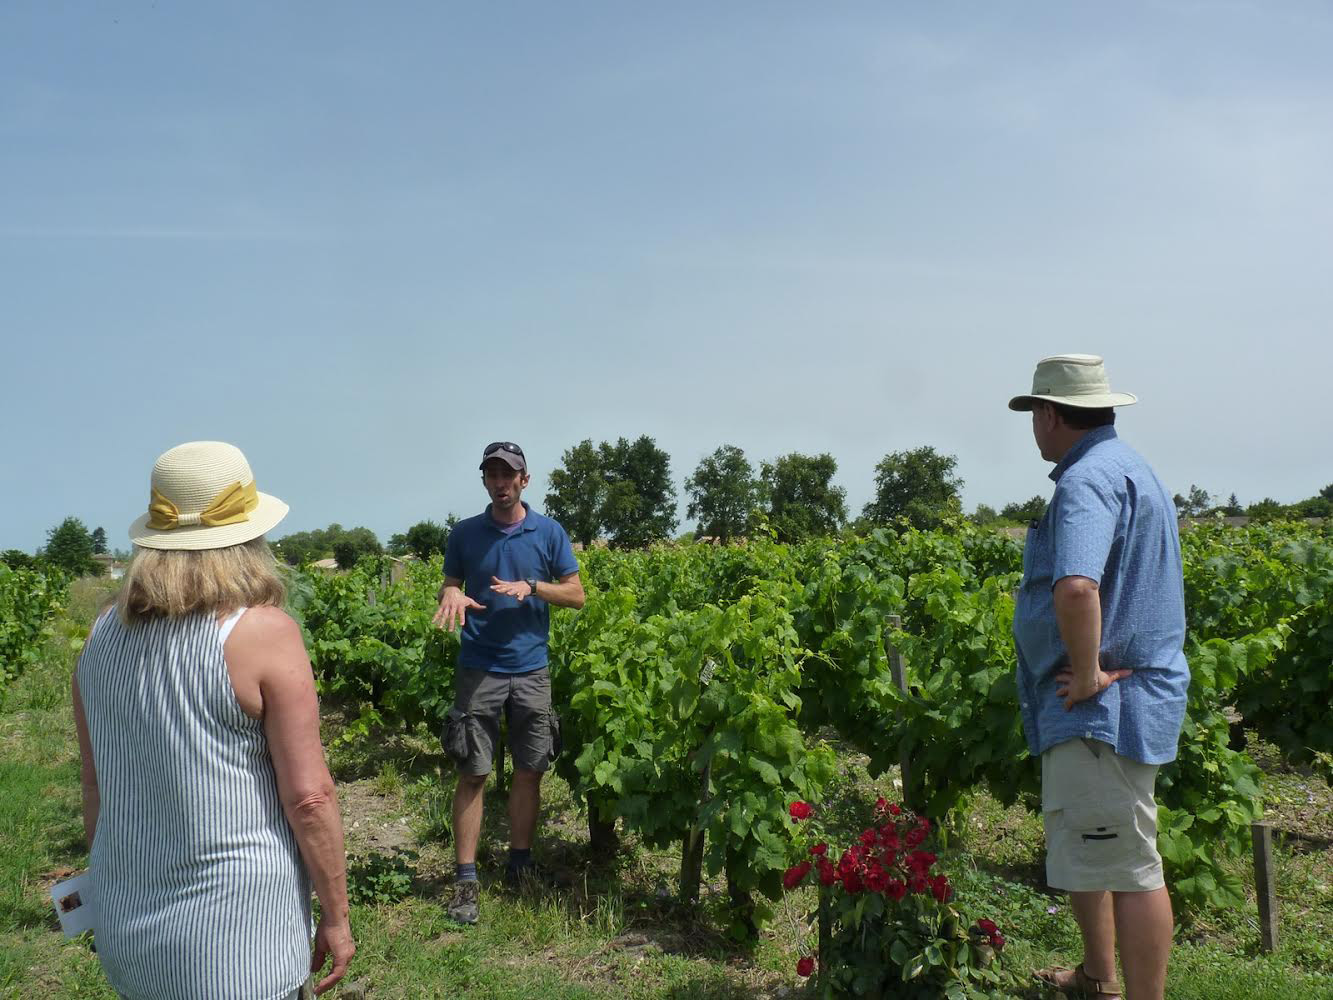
(99, 541)
(800, 498)
(1327, 492)
(1197, 504)
(984, 515)
(1199, 501)
(345, 554)
(321, 543)
(723, 492)
(1266, 509)
(425, 538)
(1233, 507)
(350, 547)
(1315, 506)
(578, 492)
(69, 546)
(918, 485)
(640, 503)
(1033, 509)
(17, 559)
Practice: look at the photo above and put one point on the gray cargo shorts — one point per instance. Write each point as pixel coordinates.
(472, 726)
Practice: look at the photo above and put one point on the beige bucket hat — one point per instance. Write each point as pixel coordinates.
(1074, 380)
(203, 496)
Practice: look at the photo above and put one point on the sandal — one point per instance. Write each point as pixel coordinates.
(1081, 985)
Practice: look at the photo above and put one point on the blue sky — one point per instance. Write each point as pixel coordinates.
(360, 241)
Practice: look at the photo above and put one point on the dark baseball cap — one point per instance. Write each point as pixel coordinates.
(510, 453)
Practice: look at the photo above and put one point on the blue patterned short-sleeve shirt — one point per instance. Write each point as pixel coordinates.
(1113, 522)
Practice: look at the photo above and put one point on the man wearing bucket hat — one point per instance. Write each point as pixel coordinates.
(1100, 629)
(503, 568)
(207, 803)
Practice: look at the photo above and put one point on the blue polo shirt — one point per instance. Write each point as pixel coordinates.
(1112, 521)
(510, 636)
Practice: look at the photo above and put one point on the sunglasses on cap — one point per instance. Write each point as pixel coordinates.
(508, 446)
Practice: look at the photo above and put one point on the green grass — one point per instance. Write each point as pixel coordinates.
(618, 932)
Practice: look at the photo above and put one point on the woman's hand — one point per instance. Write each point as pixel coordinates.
(332, 940)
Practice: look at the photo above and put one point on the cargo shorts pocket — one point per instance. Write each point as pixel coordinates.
(1100, 833)
(557, 737)
(457, 737)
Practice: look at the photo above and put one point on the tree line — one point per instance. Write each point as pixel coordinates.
(623, 492)
(69, 546)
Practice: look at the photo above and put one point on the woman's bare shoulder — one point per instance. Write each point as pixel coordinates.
(266, 624)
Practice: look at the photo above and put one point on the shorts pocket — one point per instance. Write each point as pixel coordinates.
(1100, 833)
(557, 737)
(456, 740)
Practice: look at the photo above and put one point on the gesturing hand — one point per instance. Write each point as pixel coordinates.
(454, 605)
(517, 589)
(1073, 690)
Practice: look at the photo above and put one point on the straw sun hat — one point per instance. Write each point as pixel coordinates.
(1074, 380)
(203, 496)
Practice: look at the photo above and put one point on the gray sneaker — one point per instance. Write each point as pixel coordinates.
(465, 905)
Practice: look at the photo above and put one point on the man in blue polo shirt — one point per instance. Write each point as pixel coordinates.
(1102, 679)
(502, 570)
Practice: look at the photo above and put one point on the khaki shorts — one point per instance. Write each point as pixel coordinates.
(1100, 819)
(472, 727)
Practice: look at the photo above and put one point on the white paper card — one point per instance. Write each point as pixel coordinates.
(74, 904)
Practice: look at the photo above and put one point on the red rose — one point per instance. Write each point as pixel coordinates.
(851, 883)
(877, 881)
(795, 875)
(918, 883)
(881, 804)
(919, 861)
(987, 925)
(896, 889)
(915, 836)
(941, 889)
(805, 966)
(997, 941)
(868, 838)
(827, 873)
(800, 810)
(821, 849)
(896, 810)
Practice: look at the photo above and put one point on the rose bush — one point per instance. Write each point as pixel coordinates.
(890, 927)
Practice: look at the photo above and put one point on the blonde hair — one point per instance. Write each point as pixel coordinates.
(175, 582)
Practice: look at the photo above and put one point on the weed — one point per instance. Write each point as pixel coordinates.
(389, 780)
(378, 879)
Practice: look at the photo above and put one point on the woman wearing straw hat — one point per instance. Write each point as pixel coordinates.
(208, 807)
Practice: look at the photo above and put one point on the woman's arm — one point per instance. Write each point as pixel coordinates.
(92, 798)
(266, 646)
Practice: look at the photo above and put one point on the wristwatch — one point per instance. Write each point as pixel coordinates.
(532, 585)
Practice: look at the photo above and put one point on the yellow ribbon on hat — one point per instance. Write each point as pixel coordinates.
(231, 506)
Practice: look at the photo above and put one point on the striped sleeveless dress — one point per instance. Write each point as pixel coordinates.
(199, 885)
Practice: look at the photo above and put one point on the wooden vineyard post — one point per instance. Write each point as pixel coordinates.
(692, 847)
(397, 570)
(1262, 835)
(825, 938)
(692, 850)
(603, 841)
(892, 624)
